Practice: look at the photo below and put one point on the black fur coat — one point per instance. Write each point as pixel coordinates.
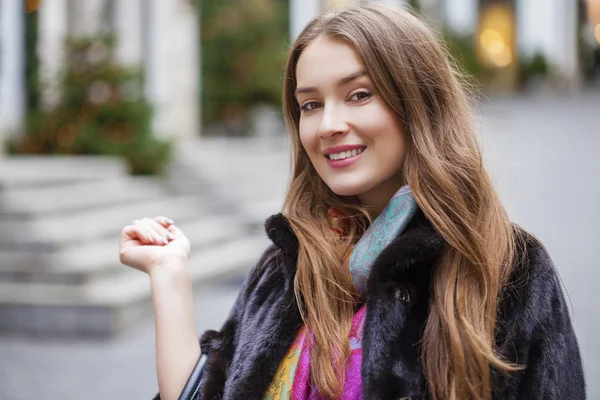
(534, 325)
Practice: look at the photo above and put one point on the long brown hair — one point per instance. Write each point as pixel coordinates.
(413, 72)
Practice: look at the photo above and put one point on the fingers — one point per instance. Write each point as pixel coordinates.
(159, 232)
(164, 221)
(174, 230)
(151, 231)
(136, 232)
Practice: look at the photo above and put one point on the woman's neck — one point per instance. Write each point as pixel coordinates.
(376, 199)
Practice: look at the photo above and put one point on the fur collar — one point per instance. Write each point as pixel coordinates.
(419, 244)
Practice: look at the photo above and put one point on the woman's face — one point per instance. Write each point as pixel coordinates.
(353, 139)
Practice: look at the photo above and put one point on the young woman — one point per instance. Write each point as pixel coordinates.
(394, 271)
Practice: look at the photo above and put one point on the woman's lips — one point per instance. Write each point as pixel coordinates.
(345, 162)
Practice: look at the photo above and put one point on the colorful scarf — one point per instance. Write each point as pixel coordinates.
(292, 379)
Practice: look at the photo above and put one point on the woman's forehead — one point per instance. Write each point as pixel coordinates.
(326, 59)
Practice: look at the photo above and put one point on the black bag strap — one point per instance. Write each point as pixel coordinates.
(192, 386)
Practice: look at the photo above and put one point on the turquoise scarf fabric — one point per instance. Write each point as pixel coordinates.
(384, 229)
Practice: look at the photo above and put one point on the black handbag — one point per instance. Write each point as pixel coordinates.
(192, 386)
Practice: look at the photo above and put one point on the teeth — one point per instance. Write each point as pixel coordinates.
(345, 154)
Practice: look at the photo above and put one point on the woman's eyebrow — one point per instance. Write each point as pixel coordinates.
(341, 82)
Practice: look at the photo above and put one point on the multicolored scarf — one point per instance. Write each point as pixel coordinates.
(292, 379)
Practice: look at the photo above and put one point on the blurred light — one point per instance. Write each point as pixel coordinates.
(497, 51)
(597, 32)
(502, 59)
(594, 11)
(495, 37)
(489, 37)
(32, 5)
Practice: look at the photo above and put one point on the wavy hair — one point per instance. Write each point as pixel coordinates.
(414, 73)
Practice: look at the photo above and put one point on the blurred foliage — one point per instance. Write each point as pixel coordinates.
(32, 62)
(414, 4)
(243, 49)
(536, 66)
(462, 49)
(101, 111)
(533, 70)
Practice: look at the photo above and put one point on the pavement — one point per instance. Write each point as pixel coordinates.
(121, 369)
(542, 152)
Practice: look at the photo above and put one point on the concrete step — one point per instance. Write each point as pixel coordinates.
(50, 233)
(111, 304)
(240, 167)
(256, 212)
(80, 263)
(39, 170)
(252, 182)
(25, 202)
(235, 158)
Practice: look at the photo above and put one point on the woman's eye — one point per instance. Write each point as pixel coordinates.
(310, 106)
(360, 96)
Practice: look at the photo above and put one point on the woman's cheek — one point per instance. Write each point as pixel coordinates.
(308, 137)
(304, 139)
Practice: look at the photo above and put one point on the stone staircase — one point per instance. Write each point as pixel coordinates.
(60, 220)
(245, 176)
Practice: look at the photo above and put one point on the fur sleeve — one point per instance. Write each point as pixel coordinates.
(540, 334)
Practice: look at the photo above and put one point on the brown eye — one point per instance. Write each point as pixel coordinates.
(361, 96)
(310, 106)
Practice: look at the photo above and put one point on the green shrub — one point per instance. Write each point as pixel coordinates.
(101, 111)
(534, 66)
(243, 49)
(414, 5)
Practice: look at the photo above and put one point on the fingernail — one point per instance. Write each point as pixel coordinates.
(149, 238)
(169, 220)
(164, 240)
(170, 236)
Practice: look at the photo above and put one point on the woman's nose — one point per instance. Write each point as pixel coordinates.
(333, 123)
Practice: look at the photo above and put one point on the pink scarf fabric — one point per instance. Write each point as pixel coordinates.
(303, 390)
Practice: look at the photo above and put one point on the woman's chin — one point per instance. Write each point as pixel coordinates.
(345, 191)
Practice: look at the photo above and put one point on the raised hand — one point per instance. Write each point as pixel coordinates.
(151, 243)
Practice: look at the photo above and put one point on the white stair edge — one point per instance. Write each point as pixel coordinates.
(38, 170)
(30, 201)
(94, 256)
(90, 224)
(132, 285)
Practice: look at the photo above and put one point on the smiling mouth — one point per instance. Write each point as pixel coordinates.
(344, 154)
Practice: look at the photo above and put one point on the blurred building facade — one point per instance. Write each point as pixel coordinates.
(503, 30)
(12, 64)
(302, 11)
(161, 36)
(508, 31)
